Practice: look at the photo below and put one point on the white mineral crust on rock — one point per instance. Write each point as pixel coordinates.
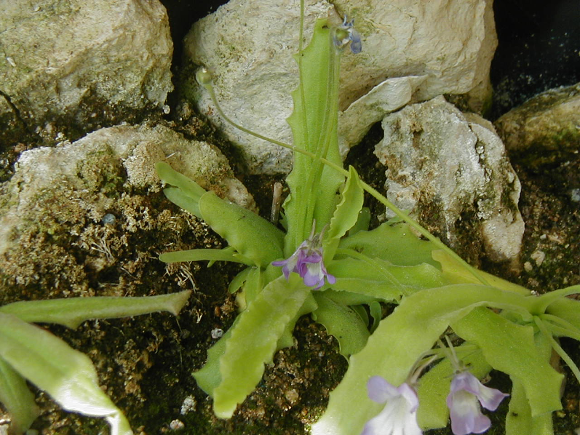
(80, 60)
(443, 164)
(136, 148)
(433, 48)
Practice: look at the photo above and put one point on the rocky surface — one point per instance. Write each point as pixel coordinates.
(545, 130)
(75, 190)
(387, 97)
(71, 66)
(542, 137)
(88, 218)
(450, 170)
(446, 47)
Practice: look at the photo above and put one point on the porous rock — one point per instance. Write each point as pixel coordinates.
(446, 46)
(450, 170)
(545, 130)
(80, 182)
(75, 65)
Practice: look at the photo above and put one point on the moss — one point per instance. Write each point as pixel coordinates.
(102, 172)
(551, 149)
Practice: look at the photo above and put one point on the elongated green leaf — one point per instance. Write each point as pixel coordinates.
(454, 272)
(209, 376)
(186, 192)
(204, 255)
(252, 287)
(257, 240)
(395, 243)
(397, 344)
(17, 398)
(345, 215)
(314, 187)
(174, 178)
(343, 323)
(381, 280)
(519, 419)
(512, 349)
(64, 373)
(71, 312)
(347, 298)
(543, 302)
(176, 196)
(363, 221)
(239, 280)
(256, 280)
(566, 309)
(254, 339)
(287, 338)
(253, 237)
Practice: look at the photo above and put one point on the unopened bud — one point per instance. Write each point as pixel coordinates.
(203, 76)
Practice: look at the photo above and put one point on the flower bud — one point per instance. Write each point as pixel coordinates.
(203, 76)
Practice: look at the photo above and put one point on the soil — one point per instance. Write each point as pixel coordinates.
(145, 363)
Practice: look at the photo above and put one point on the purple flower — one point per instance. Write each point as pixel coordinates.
(466, 416)
(345, 33)
(399, 416)
(307, 262)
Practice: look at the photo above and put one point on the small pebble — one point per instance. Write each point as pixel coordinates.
(216, 333)
(108, 219)
(538, 257)
(176, 425)
(292, 396)
(188, 405)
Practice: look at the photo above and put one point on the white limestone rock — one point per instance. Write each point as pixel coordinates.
(545, 130)
(450, 170)
(386, 97)
(95, 170)
(80, 63)
(433, 48)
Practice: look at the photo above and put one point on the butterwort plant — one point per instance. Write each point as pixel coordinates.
(325, 262)
(30, 353)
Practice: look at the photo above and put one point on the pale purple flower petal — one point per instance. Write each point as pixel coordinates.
(464, 410)
(293, 263)
(399, 416)
(466, 416)
(355, 44)
(307, 262)
(380, 390)
(345, 33)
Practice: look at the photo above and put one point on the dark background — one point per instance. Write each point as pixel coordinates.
(539, 49)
